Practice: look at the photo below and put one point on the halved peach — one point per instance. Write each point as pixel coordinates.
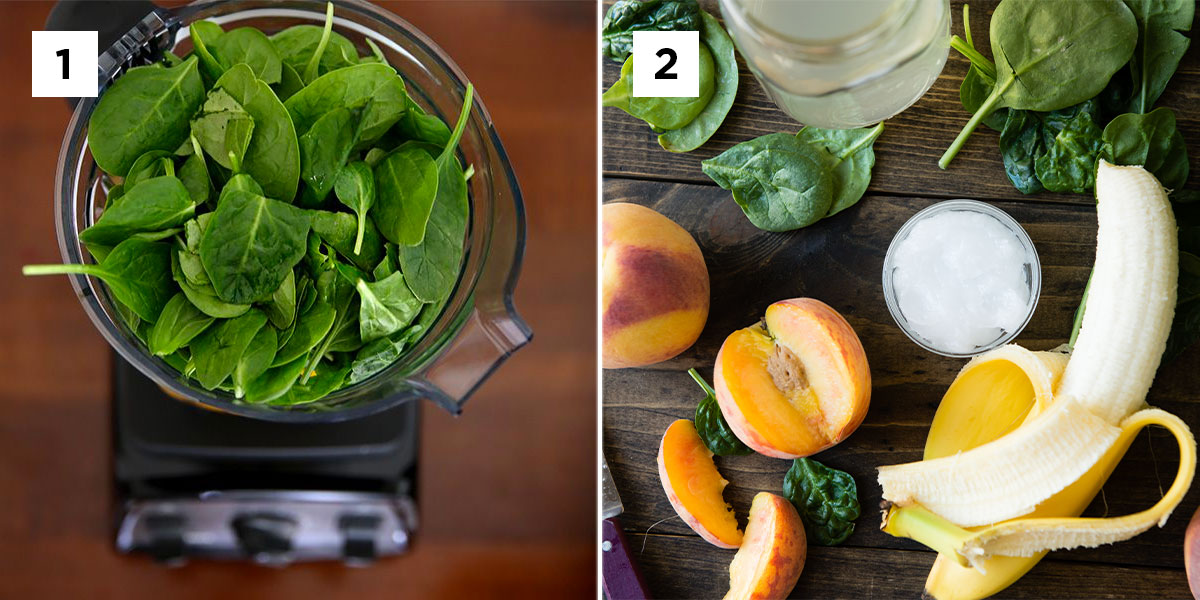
(768, 564)
(795, 384)
(693, 485)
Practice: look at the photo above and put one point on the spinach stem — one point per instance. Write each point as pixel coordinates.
(979, 61)
(704, 384)
(62, 269)
(459, 127)
(310, 70)
(989, 106)
(967, 25)
(362, 223)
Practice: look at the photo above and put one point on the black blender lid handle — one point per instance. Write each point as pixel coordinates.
(111, 20)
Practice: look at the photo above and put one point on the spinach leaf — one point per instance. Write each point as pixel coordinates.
(711, 425)
(980, 78)
(355, 186)
(194, 175)
(326, 379)
(379, 354)
(627, 16)
(375, 88)
(255, 360)
(204, 33)
(1021, 143)
(223, 129)
(662, 113)
(251, 245)
(281, 308)
(698, 130)
(273, 157)
(251, 47)
(152, 205)
(422, 127)
(1062, 53)
(137, 271)
(338, 230)
(154, 163)
(202, 295)
(145, 109)
(386, 307)
(826, 498)
(1069, 163)
(324, 149)
(1160, 46)
(311, 327)
(389, 263)
(275, 382)
(216, 351)
(242, 182)
(179, 322)
(297, 45)
(851, 157)
(777, 180)
(1150, 140)
(406, 185)
(431, 267)
(289, 83)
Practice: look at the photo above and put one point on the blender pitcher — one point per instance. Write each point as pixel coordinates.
(478, 327)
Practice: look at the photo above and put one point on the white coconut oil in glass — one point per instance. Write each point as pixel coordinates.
(842, 63)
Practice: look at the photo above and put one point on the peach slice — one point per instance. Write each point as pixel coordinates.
(768, 564)
(694, 486)
(795, 384)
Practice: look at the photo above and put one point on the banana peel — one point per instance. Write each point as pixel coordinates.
(994, 394)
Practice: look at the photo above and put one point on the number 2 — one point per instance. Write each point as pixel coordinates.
(65, 53)
(664, 72)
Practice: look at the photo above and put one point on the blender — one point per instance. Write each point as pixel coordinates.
(199, 474)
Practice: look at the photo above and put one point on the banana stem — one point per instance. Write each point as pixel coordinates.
(918, 523)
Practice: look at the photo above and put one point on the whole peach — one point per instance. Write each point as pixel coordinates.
(654, 287)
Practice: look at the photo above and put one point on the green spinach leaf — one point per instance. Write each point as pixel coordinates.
(711, 425)
(627, 16)
(251, 245)
(152, 205)
(338, 230)
(375, 88)
(851, 157)
(324, 149)
(179, 322)
(216, 351)
(297, 45)
(137, 271)
(147, 108)
(826, 498)
(777, 180)
(275, 382)
(381, 353)
(406, 187)
(355, 186)
(202, 295)
(431, 267)
(1150, 140)
(662, 113)
(255, 360)
(223, 129)
(273, 157)
(311, 327)
(1069, 163)
(386, 307)
(1159, 48)
(281, 308)
(251, 47)
(698, 130)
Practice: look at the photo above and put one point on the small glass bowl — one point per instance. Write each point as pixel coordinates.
(1033, 272)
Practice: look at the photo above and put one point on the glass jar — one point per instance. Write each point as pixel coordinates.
(478, 327)
(840, 64)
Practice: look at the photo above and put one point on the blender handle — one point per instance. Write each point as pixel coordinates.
(131, 32)
(487, 338)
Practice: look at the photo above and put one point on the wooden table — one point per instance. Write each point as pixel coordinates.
(839, 261)
(507, 489)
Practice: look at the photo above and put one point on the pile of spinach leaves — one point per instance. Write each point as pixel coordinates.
(784, 182)
(1054, 129)
(284, 220)
(683, 124)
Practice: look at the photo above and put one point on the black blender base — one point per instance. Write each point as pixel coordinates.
(196, 483)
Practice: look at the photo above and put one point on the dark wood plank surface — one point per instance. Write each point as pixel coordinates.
(507, 489)
(839, 261)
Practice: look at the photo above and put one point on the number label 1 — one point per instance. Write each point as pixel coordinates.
(65, 53)
(64, 64)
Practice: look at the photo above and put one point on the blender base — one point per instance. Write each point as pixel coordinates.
(193, 483)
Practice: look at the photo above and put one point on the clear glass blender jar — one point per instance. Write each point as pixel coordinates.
(478, 327)
(841, 63)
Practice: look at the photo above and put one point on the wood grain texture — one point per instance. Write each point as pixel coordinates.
(906, 152)
(507, 489)
(840, 261)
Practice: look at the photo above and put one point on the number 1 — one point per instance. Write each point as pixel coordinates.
(65, 53)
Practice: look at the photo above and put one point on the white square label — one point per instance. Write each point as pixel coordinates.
(64, 64)
(666, 64)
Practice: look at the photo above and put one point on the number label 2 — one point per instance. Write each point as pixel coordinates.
(665, 71)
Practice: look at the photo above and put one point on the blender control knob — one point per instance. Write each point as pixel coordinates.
(265, 536)
(358, 537)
